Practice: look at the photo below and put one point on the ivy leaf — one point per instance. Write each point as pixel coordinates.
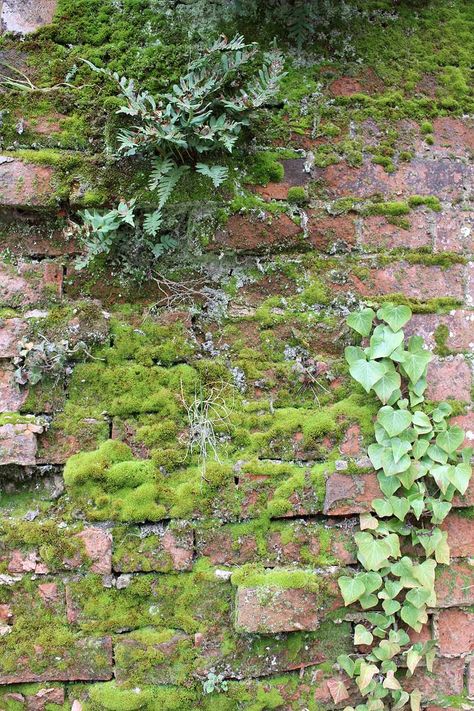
(400, 507)
(390, 682)
(418, 597)
(441, 475)
(443, 411)
(391, 467)
(425, 573)
(367, 373)
(353, 353)
(387, 649)
(368, 601)
(372, 581)
(375, 452)
(451, 439)
(417, 504)
(403, 699)
(372, 553)
(420, 447)
(399, 448)
(413, 659)
(388, 484)
(367, 673)
(415, 364)
(361, 321)
(440, 510)
(368, 522)
(395, 316)
(351, 589)
(382, 507)
(362, 635)
(377, 618)
(421, 422)
(384, 341)
(337, 689)
(391, 606)
(394, 421)
(415, 699)
(460, 476)
(391, 589)
(411, 615)
(442, 551)
(387, 385)
(346, 663)
(437, 454)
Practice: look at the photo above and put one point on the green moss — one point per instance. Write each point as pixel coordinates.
(251, 576)
(297, 195)
(427, 200)
(110, 696)
(441, 335)
(265, 167)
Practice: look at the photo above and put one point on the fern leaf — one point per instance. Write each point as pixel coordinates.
(160, 169)
(152, 222)
(217, 173)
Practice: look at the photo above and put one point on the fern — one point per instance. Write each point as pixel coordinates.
(152, 222)
(217, 173)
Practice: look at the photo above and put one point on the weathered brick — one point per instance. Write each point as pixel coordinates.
(347, 495)
(85, 660)
(28, 282)
(11, 396)
(11, 332)
(470, 678)
(345, 86)
(271, 610)
(455, 584)
(285, 544)
(24, 16)
(460, 325)
(157, 548)
(419, 281)
(325, 232)
(446, 678)
(38, 701)
(460, 535)
(456, 632)
(24, 184)
(449, 378)
(378, 233)
(98, 547)
(454, 135)
(254, 234)
(454, 231)
(17, 445)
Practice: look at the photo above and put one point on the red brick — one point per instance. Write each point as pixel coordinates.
(11, 396)
(447, 678)
(347, 495)
(155, 548)
(24, 184)
(455, 584)
(377, 233)
(460, 535)
(248, 233)
(270, 610)
(42, 697)
(456, 135)
(85, 660)
(470, 678)
(419, 281)
(27, 16)
(98, 547)
(325, 232)
(17, 445)
(11, 332)
(48, 592)
(449, 378)
(345, 86)
(456, 632)
(454, 231)
(350, 445)
(25, 283)
(273, 191)
(460, 324)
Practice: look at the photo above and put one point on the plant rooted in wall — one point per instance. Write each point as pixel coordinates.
(420, 468)
(202, 115)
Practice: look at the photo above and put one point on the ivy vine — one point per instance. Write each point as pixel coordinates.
(419, 469)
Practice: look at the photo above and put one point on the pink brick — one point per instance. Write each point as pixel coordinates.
(271, 610)
(11, 396)
(456, 632)
(447, 679)
(347, 495)
(98, 546)
(460, 324)
(466, 422)
(377, 233)
(12, 331)
(460, 535)
(454, 231)
(449, 378)
(419, 281)
(455, 584)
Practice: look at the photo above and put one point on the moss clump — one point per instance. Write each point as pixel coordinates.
(430, 201)
(113, 698)
(264, 168)
(297, 195)
(252, 576)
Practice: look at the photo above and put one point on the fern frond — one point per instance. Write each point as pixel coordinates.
(160, 168)
(217, 173)
(152, 222)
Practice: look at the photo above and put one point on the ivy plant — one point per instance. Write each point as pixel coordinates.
(420, 468)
